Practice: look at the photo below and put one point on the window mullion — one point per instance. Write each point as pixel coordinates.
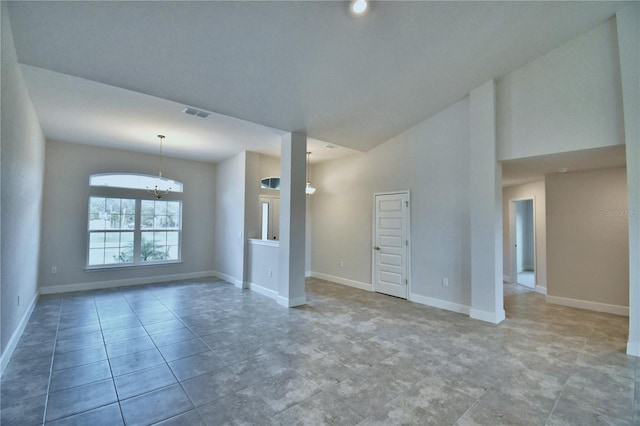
(137, 236)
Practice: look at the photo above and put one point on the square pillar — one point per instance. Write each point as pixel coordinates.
(628, 24)
(485, 208)
(291, 256)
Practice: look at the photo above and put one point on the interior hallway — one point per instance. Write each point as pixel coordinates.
(204, 352)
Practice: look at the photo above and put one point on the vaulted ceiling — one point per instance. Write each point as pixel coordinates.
(117, 73)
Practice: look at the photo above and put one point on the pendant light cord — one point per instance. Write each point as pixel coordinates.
(161, 139)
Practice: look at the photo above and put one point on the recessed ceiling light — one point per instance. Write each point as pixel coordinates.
(330, 146)
(563, 170)
(359, 6)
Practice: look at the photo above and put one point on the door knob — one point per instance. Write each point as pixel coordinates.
(377, 248)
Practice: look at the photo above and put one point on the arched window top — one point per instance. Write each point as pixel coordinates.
(134, 181)
(272, 182)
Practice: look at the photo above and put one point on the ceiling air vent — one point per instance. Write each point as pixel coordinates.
(196, 112)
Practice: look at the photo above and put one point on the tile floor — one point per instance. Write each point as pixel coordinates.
(204, 352)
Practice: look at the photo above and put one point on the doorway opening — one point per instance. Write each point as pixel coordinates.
(523, 242)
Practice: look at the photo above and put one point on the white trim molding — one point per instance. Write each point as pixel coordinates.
(228, 278)
(263, 291)
(17, 334)
(293, 302)
(97, 285)
(490, 317)
(591, 306)
(439, 303)
(633, 348)
(268, 243)
(541, 290)
(343, 281)
(506, 279)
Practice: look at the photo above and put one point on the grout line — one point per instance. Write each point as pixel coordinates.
(53, 356)
(104, 344)
(165, 360)
(555, 404)
(478, 399)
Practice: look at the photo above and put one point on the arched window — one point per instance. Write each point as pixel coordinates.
(127, 227)
(134, 181)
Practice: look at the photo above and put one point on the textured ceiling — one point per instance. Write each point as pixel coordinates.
(292, 66)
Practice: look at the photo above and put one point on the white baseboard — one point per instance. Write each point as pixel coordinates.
(633, 348)
(15, 337)
(591, 306)
(307, 274)
(491, 317)
(343, 281)
(439, 303)
(293, 302)
(506, 278)
(53, 289)
(264, 291)
(227, 278)
(541, 290)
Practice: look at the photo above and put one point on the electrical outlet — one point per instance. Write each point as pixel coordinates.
(445, 282)
(341, 264)
(54, 270)
(270, 273)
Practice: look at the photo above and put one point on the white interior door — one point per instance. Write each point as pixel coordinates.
(390, 258)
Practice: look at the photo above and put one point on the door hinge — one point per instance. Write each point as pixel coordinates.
(406, 242)
(406, 281)
(406, 203)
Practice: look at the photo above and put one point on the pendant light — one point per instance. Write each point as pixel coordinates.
(159, 193)
(309, 189)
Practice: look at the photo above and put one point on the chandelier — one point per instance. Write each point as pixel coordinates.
(156, 192)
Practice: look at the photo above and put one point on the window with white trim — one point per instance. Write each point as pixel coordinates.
(127, 226)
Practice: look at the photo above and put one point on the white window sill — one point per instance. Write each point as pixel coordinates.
(131, 265)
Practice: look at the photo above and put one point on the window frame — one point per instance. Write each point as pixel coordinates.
(138, 196)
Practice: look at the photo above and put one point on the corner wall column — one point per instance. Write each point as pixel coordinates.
(485, 208)
(291, 256)
(628, 24)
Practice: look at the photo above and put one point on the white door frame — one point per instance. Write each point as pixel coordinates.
(512, 242)
(407, 237)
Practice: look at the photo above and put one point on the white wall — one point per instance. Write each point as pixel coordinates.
(524, 235)
(517, 192)
(587, 237)
(64, 235)
(528, 251)
(22, 169)
(252, 194)
(520, 237)
(263, 267)
(229, 219)
(268, 167)
(567, 100)
(431, 160)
